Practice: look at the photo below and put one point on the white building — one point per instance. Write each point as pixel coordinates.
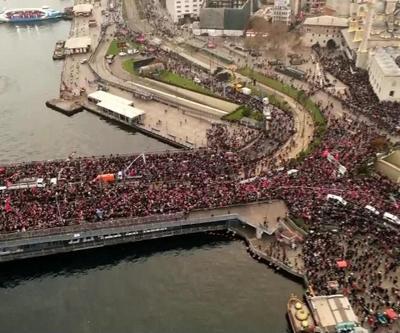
(179, 9)
(116, 107)
(282, 11)
(373, 24)
(77, 45)
(324, 30)
(384, 73)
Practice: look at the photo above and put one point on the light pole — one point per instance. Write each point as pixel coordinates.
(267, 113)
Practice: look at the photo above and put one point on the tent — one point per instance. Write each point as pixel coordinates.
(341, 263)
(391, 314)
(106, 178)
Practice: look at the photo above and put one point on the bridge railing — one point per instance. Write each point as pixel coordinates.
(76, 226)
(88, 226)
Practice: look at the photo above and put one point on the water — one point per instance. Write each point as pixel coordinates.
(29, 77)
(190, 284)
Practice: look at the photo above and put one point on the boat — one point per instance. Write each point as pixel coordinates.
(300, 318)
(26, 15)
(59, 50)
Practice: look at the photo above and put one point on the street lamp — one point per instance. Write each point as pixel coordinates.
(267, 113)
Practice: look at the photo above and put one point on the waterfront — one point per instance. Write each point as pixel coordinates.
(28, 77)
(193, 285)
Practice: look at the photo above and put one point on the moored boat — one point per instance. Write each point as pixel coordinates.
(26, 15)
(300, 318)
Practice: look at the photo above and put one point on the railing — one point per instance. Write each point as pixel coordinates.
(81, 226)
(88, 226)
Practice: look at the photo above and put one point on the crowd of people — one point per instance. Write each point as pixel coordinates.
(360, 96)
(225, 137)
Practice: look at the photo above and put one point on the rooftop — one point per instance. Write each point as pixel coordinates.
(83, 8)
(78, 42)
(103, 96)
(122, 109)
(386, 60)
(332, 310)
(328, 21)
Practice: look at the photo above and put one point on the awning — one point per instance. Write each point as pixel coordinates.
(391, 314)
(341, 264)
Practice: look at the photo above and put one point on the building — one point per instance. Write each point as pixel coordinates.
(373, 24)
(115, 107)
(84, 9)
(324, 30)
(282, 12)
(224, 17)
(313, 6)
(384, 73)
(332, 311)
(181, 9)
(389, 166)
(76, 45)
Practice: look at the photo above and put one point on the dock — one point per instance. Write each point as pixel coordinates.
(67, 107)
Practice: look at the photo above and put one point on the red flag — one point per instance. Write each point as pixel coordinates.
(265, 183)
(325, 153)
(8, 207)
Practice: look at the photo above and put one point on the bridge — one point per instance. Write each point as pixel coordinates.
(87, 235)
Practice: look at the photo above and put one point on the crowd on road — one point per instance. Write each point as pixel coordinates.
(359, 96)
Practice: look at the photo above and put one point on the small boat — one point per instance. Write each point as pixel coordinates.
(300, 318)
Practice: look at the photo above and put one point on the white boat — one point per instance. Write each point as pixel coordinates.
(26, 15)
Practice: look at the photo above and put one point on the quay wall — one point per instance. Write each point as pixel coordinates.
(139, 128)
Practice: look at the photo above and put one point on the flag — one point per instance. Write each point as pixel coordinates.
(8, 207)
(325, 153)
(265, 183)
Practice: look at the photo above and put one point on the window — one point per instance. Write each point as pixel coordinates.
(391, 94)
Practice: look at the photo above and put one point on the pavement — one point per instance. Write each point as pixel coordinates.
(256, 214)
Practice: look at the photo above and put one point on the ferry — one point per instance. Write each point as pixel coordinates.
(300, 318)
(26, 15)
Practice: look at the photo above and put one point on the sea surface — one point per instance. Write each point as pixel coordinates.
(191, 284)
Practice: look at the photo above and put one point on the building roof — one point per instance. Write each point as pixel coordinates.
(122, 109)
(327, 21)
(83, 8)
(386, 60)
(102, 96)
(78, 42)
(212, 18)
(332, 310)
